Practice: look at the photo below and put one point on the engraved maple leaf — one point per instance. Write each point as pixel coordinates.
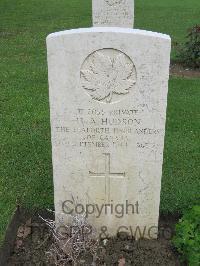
(106, 76)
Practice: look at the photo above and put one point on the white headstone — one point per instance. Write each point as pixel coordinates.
(108, 98)
(113, 13)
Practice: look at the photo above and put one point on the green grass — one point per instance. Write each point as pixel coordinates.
(25, 168)
(181, 173)
(173, 17)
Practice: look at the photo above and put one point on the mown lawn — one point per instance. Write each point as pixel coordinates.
(181, 173)
(25, 168)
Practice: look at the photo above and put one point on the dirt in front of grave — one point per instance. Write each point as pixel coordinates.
(179, 70)
(34, 239)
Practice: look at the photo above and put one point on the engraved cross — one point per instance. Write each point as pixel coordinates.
(107, 175)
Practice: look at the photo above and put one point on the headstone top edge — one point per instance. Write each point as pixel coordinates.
(109, 30)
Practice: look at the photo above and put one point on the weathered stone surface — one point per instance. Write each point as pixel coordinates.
(113, 13)
(108, 97)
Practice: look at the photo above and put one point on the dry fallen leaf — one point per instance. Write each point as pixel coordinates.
(18, 243)
(20, 231)
(24, 230)
(122, 262)
(27, 231)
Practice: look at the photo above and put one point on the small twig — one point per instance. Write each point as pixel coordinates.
(43, 242)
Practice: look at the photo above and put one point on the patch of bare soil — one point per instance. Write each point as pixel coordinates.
(179, 70)
(34, 239)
